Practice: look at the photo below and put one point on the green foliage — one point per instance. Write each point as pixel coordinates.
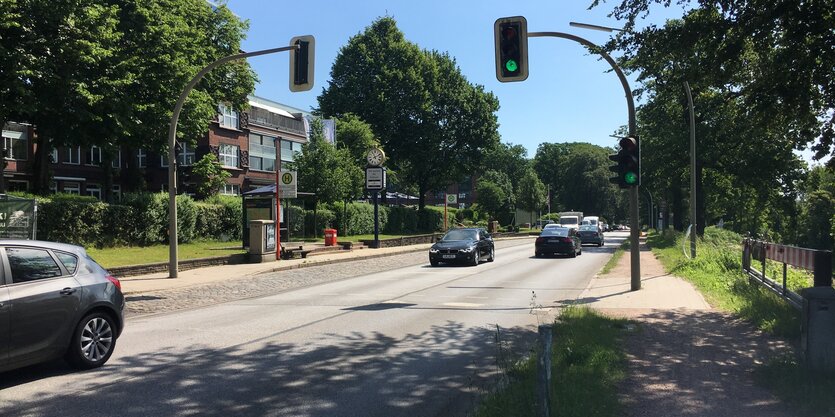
(208, 175)
(587, 366)
(532, 192)
(420, 105)
(356, 219)
(217, 221)
(296, 222)
(328, 172)
(355, 135)
(324, 219)
(491, 197)
(717, 273)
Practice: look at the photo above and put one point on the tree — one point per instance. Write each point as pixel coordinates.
(491, 197)
(417, 102)
(355, 135)
(531, 192)
(209, 176)
(324, 170)
(511, 160)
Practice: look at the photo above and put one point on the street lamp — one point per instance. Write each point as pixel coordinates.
(594, 27)
(172, 159)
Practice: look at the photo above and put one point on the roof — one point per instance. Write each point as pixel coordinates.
(42, 243)
(269, 190)
(272, 106)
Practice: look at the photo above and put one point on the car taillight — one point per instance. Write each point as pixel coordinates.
(115, 281)
(540, 239)
(566, 239)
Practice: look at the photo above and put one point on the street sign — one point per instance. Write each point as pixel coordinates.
(375, 178)
(452, 198)
(287, 186)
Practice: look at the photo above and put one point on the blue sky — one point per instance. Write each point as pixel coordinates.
(568, 96)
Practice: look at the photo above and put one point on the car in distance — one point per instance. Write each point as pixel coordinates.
(56, 301)
(558, 240)
(468, 245)
(590, 234)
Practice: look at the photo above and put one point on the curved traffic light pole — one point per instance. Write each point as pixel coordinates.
(172, 142)
(635, 230)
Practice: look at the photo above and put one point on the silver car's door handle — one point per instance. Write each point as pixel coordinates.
(68, 291)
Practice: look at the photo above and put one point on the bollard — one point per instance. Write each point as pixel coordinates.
(543, 375)
(817, 329)
(823, 269)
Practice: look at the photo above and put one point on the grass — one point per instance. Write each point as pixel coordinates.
(613, 261)
(717, 273)
(135, 255)
(587, 366)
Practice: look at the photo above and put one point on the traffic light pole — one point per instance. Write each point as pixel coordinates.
(172, 142)
(635, 229)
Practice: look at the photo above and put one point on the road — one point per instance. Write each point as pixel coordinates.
(409, 341)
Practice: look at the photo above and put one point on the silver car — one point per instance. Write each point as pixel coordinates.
(56, 301)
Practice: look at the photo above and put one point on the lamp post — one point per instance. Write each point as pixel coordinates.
(172, 137)
(635, 231)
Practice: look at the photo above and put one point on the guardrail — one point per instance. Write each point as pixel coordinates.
(817, 261)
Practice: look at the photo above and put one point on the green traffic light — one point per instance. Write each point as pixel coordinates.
(511, 65)
(631, 178)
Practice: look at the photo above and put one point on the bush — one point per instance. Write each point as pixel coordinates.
(324, 219)
(355, 219)
(151, 216)
(430, 220)
(296, 220)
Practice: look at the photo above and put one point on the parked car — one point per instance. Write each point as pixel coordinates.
(468, 245)
(55, 300)
(590, 234)
(558, 240)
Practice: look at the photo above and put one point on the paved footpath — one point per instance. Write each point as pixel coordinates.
(685, 359)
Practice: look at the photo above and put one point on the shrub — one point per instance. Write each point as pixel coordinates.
(354, 219)
(324, 219)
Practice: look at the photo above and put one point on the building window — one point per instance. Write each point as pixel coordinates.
(94, 156)
(73, 156)
(117, 192)
(228, 118)
(72, 188)
(15, 185)
(186, 155)
(289, 150)
(94, 190)
(53, 157)
(231, 189)
(141, 158)
(261, 152)
(16, 145)
(117, 160)
(228, 155)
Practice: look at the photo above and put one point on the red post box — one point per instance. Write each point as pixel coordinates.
(330, 237)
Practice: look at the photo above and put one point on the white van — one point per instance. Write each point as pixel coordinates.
(591, 220)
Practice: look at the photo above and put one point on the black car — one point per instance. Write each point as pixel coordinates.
(468, 245)
(558, 240)
(591, 234)
(56, 301)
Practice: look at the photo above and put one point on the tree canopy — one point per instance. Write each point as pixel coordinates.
(418, 103)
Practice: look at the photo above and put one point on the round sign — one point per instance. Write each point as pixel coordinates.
(451, 198)
(287, 178)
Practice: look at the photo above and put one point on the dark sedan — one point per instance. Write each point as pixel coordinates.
(468, 245)
(56, 301)
(590, 234)
(558, 240)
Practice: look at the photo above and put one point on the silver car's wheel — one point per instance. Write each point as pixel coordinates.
(93, 341)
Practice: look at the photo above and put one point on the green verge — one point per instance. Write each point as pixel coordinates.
(613, 261)
(587, 366)
(137, 255)
(717, 273)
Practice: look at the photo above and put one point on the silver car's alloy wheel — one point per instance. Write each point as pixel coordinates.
(96, 339)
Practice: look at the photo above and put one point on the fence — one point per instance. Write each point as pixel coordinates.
(18, 217)
(818, 261)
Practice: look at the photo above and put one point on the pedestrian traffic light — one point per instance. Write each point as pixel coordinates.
(511, 37)
(627, 163)
(301, 63)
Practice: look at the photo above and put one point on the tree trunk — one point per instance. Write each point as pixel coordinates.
(677, 207)
(422, 197)
(107, 169)
(40, 166)
(701, 217)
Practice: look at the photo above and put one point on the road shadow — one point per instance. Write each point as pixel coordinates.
(697, 363)
(351, 373)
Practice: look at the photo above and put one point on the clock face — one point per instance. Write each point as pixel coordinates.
(375, 157)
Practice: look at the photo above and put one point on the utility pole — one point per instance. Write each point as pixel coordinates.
(692, 171)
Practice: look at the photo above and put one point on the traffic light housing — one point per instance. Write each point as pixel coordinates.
(627, 163)
(301, 63)
(511, 37)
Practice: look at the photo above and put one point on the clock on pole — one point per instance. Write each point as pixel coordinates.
(375, 157)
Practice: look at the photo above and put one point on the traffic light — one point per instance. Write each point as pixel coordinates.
(628, 163)
(511, 36)
(301, 63)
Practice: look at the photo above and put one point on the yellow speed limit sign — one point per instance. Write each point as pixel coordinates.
(287, 184)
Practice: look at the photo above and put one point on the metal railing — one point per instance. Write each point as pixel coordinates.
(817, 261)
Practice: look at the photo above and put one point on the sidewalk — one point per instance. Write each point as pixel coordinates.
(161, 281)
(685, 358)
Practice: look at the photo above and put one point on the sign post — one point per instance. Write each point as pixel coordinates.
(449, 199)
(375, 180)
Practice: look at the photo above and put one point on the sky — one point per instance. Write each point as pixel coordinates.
(568, 97)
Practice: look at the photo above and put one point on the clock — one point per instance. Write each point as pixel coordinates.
(375, 157)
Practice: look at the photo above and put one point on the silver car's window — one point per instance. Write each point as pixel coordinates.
(70, 261)
(31, 264)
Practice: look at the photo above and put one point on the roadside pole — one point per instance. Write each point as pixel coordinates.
(635, 231)
(692, 170)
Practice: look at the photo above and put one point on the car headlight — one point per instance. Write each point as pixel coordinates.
(433, 250)
(468, 250)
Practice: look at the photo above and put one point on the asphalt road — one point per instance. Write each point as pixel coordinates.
(411, 341)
